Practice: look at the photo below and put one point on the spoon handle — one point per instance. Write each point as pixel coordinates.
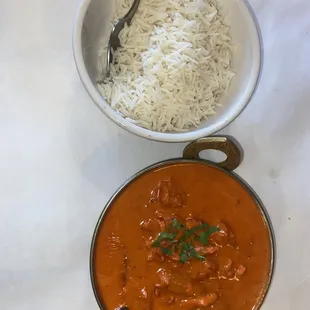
(129, 16)
(109, 60)
(114, 40)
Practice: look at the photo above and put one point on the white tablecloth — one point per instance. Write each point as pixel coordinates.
(61, 159)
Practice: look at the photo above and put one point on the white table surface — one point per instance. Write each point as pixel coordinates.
(61, 159)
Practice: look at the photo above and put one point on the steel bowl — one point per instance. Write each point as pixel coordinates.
(233, 151)
(91, 33)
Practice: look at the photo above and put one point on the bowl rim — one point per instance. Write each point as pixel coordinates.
(180, 161)
(163, 136)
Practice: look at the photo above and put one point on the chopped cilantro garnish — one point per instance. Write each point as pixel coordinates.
(169, 244)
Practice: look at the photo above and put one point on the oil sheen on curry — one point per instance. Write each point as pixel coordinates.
(182, 236)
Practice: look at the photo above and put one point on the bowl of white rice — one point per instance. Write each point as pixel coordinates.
(185, 68)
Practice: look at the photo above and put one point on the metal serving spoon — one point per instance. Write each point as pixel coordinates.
(114, 42)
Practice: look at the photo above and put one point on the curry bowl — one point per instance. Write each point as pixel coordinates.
(184, 233)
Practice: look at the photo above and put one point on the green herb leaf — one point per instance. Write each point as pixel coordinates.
(194, 253)
(192, 231)
(167, 251)
(161, 237)
(184, 257)
(184, 244)
(204, 237)
(177, 224)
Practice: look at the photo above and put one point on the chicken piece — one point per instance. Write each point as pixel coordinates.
(168, 194)
(207, 250)
(223, 228)
(175, 283)
(174, 257)
(160, 214)
(143, 293)
(204, 301)
(225, 264)
(142, 304)
(153, 225)
(171, 300)
(148, 241)
(199, 270)
(114, 243)
(156, 291)
(164, 278)
(191, 222)
(164, 295)
(155, 255)
(240, 272)
(223, 237)
(226, 270)
(180, 287)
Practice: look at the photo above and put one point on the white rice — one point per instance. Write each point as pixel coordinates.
(174, 65)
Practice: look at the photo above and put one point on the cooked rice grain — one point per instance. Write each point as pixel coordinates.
(174, 65)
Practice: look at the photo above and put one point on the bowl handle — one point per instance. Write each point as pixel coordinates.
(225, 144)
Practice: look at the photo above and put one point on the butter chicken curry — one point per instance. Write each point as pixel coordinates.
(182, 236)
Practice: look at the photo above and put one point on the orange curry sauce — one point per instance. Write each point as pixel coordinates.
(128, 271)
